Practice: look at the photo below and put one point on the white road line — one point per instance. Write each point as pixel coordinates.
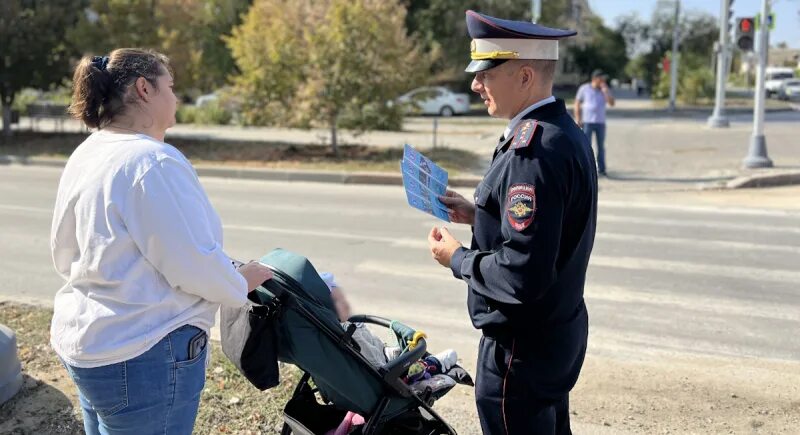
(692, 268)
(685, 301)
(699, 243)
(422, 244)
(12, 207)
(698, 208)
(627, 263)
(699, 224)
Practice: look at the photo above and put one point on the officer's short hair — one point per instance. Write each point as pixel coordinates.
(544, 68)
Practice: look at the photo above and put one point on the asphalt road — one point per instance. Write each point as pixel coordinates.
(665, 278)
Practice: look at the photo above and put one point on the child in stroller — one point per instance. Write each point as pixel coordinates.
(423, 374)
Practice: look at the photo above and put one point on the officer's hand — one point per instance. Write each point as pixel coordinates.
(255, 273)
(460, 210)
(443, 245)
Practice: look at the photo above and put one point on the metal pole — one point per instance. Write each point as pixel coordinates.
(757, 154)
(718, 118)
(536, 10)
(673, 65)
(435, 128)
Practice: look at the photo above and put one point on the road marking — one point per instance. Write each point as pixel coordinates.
(698, 243)
(745, 228)
(692, 302)
(432, 272)
(698, 208)
(691, 268)
(627, 263)
(11, 207)
(421, 243)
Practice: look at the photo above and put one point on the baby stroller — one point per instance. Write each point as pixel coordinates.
(292, 319)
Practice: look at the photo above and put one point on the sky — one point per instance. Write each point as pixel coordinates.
(786, 12)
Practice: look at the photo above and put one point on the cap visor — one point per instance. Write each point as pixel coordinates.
(483, 65)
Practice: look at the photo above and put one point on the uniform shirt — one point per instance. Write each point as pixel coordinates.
(593, 104)
(140, 248)
(535, 216)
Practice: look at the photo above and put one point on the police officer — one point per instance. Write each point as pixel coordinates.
(533, 220)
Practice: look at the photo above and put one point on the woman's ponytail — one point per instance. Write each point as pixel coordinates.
(92, 86)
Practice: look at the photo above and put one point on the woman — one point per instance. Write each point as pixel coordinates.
(140, 247)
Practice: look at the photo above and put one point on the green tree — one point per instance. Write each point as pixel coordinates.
(606, 51)
(309, 62)
(695, 80)
(190, 32)
(441, 29)
(33, 52)
(649, 42)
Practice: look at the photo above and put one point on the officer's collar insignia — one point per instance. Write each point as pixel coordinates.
(524, 133)
(520, 205)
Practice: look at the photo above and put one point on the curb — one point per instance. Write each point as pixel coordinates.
(765, 180)
(369, 178)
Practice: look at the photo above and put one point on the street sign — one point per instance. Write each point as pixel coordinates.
(770, 21)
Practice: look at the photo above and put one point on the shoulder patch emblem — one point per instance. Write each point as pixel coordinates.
(524, 134)
(521, 205)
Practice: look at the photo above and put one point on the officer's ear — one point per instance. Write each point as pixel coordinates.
(527, 74)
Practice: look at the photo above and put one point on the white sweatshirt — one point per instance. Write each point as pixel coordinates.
(140, 247)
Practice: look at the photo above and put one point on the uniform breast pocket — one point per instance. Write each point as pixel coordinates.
(482, 194)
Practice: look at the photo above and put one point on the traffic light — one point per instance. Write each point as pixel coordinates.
(745, 31)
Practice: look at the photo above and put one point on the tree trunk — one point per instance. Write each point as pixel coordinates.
(334, 141)
(7, 120)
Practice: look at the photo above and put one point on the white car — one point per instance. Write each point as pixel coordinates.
(436, 101)
(790, 90)
(775, 76)
(204, 100)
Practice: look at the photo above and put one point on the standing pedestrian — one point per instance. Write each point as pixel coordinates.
(140, 248)
(590, 113)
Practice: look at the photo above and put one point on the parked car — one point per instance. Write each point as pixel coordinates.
(206, 99)
(789, 90)
(436, 101)
(775, 76)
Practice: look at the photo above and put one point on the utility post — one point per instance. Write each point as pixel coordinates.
(673, 70)
(718, 119)
(757, 153)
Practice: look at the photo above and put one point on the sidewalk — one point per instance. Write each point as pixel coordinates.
(643, 154)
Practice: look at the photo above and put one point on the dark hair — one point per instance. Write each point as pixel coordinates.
(100, 84)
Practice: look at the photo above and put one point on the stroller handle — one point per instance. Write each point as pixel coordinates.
(375, 320)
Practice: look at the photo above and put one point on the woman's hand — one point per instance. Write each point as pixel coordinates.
(255, 273)
(461, 211)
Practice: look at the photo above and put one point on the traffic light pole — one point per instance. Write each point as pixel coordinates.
(673, 69)
(718, 118)
(757, 154)
(536, 10)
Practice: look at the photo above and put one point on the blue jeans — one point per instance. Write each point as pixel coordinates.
(599, 130)
(156, 392)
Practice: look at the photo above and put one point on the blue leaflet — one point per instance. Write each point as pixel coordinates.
(425, 164)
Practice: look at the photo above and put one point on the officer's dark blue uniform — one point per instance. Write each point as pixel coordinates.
(535, 217)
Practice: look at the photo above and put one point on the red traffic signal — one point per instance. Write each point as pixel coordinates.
(745, 29)
(746, 25)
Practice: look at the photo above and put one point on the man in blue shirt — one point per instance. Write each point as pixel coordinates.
(590, 113)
